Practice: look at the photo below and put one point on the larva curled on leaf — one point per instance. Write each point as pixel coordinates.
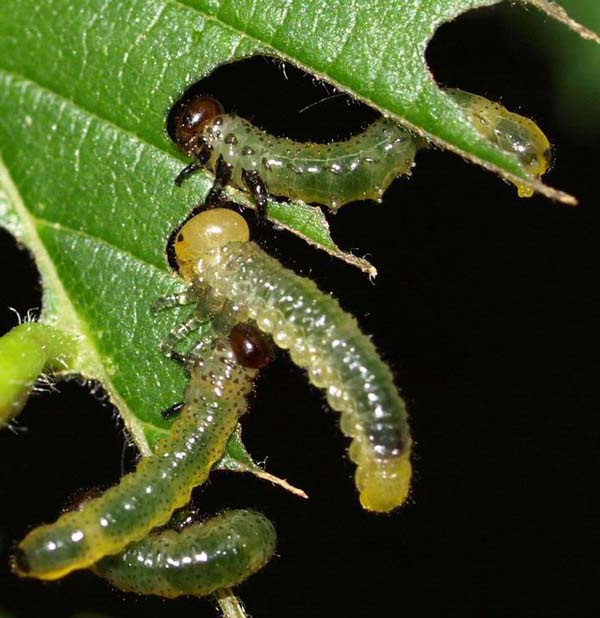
(214, 400)
(336, 173)
(236, 280)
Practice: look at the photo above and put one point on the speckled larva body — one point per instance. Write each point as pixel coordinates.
(201, 559)
(333, 174)
(241, 281)
(214, 400)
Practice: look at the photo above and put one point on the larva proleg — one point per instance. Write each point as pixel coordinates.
(202, 558)
(214, 400)
(239, 278)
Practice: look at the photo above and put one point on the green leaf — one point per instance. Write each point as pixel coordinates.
(87, 172)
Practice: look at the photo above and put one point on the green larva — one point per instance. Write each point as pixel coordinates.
(333, 174)
(200, 559)
(235, 279)
(336, 173)
(214, 400)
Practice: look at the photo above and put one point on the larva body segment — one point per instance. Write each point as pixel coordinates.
(240, 280)
(511, 132)
(333, 174)
(201, 559)
(214, 400)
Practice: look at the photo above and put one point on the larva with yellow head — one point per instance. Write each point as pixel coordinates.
(237, 281)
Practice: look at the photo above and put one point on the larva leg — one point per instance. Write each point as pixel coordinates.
(194, 166)
(180, 332)
(223, 171)
(258, 189)
(169, 301)
(188, 171)
(173, 411)
(199, 349)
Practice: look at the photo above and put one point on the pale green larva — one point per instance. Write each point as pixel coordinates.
(234, 279)
(214, 400)
(332, 174)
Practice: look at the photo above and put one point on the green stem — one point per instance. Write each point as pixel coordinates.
(25, 352)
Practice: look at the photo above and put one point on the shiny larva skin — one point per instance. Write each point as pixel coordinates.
(240, 280)
(214, 400)
(201, 559)
(511, 132)
(333, 174)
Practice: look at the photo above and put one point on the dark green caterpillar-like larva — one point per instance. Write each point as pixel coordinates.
(201, 559)
(234, 277)
(213, 402)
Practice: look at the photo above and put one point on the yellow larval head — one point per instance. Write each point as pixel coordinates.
(211, 229)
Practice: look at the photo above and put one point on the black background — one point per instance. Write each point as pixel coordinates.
(485, 307)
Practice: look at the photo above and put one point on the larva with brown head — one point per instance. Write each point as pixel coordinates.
(214, 400)
(333, 174)
(361, 167)
(235, 279)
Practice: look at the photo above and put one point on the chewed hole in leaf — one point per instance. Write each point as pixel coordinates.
(309, 167)
(304, 108)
